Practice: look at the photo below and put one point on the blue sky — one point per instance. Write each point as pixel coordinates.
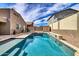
(38, 12)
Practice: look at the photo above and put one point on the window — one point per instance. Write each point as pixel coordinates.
(17, 26)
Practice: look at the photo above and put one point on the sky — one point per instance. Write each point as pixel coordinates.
(38, 12)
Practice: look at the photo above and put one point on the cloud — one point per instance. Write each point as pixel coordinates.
(76, 7)
(32, 15)
(53, 9)
(20, 7)
(56, 8)
(28, 14)
(38, 12)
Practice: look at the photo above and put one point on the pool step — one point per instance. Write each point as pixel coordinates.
(14, 52)
(5, 47)
(21, 53)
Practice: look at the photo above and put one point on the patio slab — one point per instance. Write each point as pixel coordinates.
(21, 35)
(5, 37)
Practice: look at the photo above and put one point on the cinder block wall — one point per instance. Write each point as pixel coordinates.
(38, 28)
(46, 28)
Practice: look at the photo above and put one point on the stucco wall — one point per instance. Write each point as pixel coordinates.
(13, 18)
(69, 29)
(16, 19)
(4, 27)
(69, 23)
(55, 25)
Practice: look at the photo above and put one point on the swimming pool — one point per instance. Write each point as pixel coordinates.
(40, 44)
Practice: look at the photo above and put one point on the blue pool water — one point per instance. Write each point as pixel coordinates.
(42, 44)
(36, 44)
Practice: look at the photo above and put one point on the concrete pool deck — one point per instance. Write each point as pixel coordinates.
(5, 37)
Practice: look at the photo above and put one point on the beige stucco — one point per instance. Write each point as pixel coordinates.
(68, 28)
(12, 18)
(3, 19)
(69, 23)
(55, 25)
(16, 19)
(4, 27)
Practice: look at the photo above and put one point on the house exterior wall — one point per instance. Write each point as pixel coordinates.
(14, 22)
(4, 26)
(69, 23)
(17, 23)
(69, 28)
(55, 25)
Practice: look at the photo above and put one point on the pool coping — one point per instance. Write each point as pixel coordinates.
(65, 42)
(23, 36)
